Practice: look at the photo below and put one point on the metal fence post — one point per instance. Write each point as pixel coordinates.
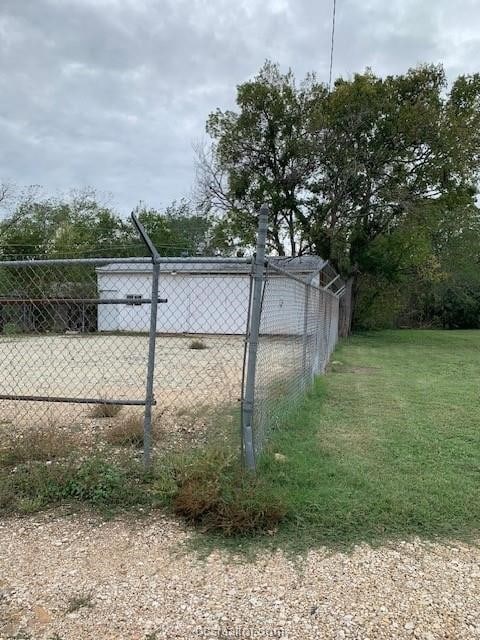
(152, 339)
(248, 448)
(305, 336)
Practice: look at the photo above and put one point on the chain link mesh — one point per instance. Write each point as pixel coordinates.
(57, 369)
(74, 340)
(298, 332)
(74, 343)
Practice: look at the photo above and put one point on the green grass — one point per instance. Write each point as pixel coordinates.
(387, 445)
(99, 481)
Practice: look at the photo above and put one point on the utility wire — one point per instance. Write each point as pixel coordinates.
(331, 46)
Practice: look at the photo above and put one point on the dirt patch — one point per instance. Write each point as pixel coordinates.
(191, 387)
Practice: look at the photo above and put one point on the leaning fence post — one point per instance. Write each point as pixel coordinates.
(258, 276)
(152, 337)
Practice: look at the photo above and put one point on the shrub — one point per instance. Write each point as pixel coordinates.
(105, 410)
(457, 305)
(197, 344)
(214, 493)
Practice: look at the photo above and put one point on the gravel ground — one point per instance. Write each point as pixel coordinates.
(114, 367)
(138, 580)
(192, 386)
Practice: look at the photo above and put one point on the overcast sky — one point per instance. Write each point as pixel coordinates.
(113, 93)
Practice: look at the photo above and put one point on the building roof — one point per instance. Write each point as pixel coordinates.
(298, 264)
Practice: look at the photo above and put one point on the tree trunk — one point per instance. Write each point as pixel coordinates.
(346, 309)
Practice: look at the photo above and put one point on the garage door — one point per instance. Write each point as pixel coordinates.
(218, 304)
(173, 316)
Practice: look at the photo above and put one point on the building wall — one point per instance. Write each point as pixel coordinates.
(216, 304)
(195, 303)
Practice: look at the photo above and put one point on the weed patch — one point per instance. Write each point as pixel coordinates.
(214, 493)
(105, 410)
(128, 432)
(197, 344)
(96, 481)
(38, 444)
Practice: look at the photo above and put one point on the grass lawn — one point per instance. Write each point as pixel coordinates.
(388, 443)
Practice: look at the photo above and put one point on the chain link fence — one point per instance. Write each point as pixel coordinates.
(298, 331)
(59, 372)
(158, 352)
(293, 330)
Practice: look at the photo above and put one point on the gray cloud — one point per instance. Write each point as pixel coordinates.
(112, 93)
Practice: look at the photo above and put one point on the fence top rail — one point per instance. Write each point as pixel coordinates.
(289, 274)
(67, 261)
(205, 260)
(105, 261)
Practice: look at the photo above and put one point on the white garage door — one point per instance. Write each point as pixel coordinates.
(173, 316)
(203, 304)
(218, 304)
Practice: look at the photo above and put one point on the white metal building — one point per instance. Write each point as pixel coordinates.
(203, 298)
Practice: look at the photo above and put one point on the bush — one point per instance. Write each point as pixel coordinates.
(105, 410)
(379, 303)
(197, 344)
(457, 306)
(214, 493)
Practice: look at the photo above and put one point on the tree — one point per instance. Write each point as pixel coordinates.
(266, 152)
(179, 230)
(10, 197)
(42, 228)
(345, 168)
(5, 190)
(75, 227)
(448, 295)
(426, 273)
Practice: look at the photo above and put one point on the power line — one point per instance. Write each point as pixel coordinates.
(331, 46)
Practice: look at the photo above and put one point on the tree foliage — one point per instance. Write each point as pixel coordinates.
(352, 174)
(50, 228)
(179, 230)
(81, 226)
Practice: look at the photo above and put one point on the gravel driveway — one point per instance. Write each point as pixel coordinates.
(76, 577)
